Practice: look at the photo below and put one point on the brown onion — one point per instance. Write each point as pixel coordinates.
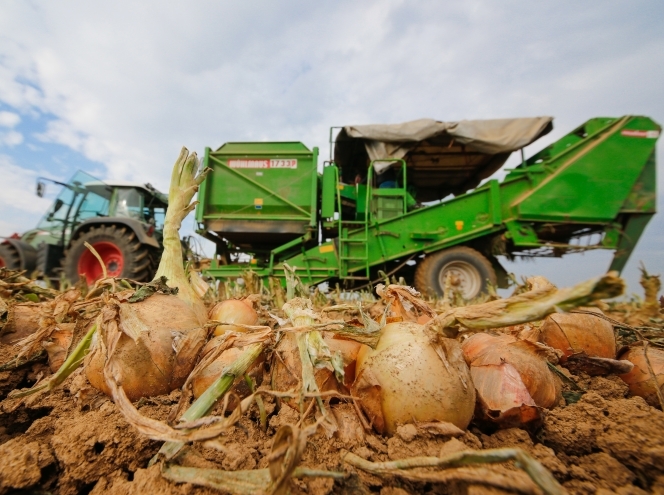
(22, 320)
(287, 367)
(151, 365)
(150, 347)
(405, 380)
(512, 378)
(640, 379)
(232, 311)
(210, 373)
(574, 333)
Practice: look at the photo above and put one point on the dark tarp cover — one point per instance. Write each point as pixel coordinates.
(442, 157)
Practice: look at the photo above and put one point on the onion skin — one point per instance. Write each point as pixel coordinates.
(209, 374)
(232, 311)
(288, 366)
(511, 377)
(573, 333)
(150, 366)
(404, 380)
(22, 320)
(640, 380)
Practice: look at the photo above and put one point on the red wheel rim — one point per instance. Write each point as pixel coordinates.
(111, 255)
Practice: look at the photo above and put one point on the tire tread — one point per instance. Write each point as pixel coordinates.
(422, 279)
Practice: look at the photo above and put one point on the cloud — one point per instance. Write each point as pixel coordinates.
(205, 73)
(20, 207)
(16, 181)
(9, 119)
(11, 138)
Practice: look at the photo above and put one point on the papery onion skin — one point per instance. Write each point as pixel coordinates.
(232, 311)
(640, 380)
(485, 350)
(215, 369)
(22, 320)
(572, 333)
(287, 366)
(404, 380)
(150, 366)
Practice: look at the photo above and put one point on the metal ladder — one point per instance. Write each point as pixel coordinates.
(350, 260)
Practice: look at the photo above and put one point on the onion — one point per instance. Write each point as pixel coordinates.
(573, 333)
(640, 380)
(511, 377)
(287, 367)
(22, 321)
(409, 378)
(210, 373)
(229, 311)
(150, 365)
(232, 311)
(149, 347)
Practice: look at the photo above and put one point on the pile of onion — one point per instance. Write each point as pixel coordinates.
(640, 379)
(150, 347)
(287, 365)
(235, 313)
(410, 377)
(512, 379)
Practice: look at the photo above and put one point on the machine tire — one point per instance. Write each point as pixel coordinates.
(430, 273)
(9, 257)
(122, 252)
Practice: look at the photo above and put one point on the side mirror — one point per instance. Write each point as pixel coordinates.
(41, 189)
(58, 204)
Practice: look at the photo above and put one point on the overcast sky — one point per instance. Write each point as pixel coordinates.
(116, 88)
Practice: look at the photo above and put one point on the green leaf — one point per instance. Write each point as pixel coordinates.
(31, 297)
(158, 285)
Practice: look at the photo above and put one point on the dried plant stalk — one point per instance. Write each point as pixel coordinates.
(542, 300)
(538, 473)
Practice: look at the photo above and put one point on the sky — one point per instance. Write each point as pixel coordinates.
(116, 88)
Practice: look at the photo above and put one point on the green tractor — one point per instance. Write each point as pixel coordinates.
(122, 221)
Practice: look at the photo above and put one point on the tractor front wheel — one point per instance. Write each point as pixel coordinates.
(9, 257)
(469, 271)
(121, 252)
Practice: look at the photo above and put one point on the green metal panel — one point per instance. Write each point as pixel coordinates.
(643, 196)
(263, 194)
(592, 181)
(260, 179)
(387, 206)
(329, 191)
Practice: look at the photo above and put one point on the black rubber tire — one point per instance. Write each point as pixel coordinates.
(138, 263)
(428, 273)
(9, 257)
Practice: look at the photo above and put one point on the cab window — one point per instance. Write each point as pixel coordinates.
(128, 203)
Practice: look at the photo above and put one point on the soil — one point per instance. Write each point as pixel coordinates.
(75, 441)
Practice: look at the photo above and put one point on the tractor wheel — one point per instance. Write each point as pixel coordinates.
(9, 257)
(471, 272)
(123, 255)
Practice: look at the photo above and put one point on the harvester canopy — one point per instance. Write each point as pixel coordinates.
(442, 157)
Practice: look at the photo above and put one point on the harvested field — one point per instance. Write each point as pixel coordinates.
(597, 439)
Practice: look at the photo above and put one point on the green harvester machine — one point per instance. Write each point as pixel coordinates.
(406, 200)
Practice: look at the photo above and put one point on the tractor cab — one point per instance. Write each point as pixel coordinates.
(122, 220)
(85, 198)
